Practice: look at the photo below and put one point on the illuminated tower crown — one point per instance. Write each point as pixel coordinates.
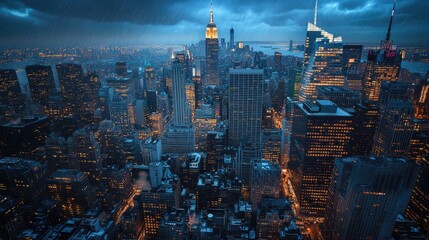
(211, 30)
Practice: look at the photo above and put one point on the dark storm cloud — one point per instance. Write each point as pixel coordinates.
(35, 22)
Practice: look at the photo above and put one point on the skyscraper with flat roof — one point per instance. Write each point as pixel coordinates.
(245, 106)
(41, 82)
(321, 132)
(10, 91)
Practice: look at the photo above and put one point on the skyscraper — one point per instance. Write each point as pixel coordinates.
(366, 122)
(321, 132)
(212, 52)
(41, 82)
(352, 55)
(365, 196)
(180, 135)
(324, 67)
(382, 65)
(231, 39)
(181, 108)
(10, 91)
(245, 106)
(121, 69)
(395, 126)
(72, 85)
(278, 62)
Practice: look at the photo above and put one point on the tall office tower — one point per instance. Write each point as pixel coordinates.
(121, 69)
(293, 83)
(383, 64)
(22, 179)
(366, 122)
(140, 114)
(41, 82)
(180, 135)
(266, 181)
(418, 208)
(321, 132)
(342, 96)
(11, 219)
(163, 104)
(56, 153)
(246, 155)
(152, 100)
(54, 108)
(110, 141)
(190, 96)
(10, 91)
(151, 150)
(92, 84)
(231, 39)
(215, 145)
(366, 195)
(212, 52)
(85, 152)
(352, 55)
(173, 225)
(324, 67)
(105, 96)
(290, 46)
(421, 104)
(72, 85)
(119, 113)
(149, 78)
(181, 108)
(245, 106)
(123, 86)
(272, 145)
(223, 44)
(395, 126)
(156, 202)
(278, 99)
(72, 191)
(23, 137)
(278, 62)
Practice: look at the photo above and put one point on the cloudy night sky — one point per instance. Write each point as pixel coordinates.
(28, 23)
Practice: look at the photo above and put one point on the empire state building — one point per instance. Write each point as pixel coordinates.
(212, 52)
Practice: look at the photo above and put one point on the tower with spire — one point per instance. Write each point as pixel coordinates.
(383, 64)
(212, 52)
(322, 53)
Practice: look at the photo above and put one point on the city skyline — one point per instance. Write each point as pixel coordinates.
(324, 138)
(65, 23)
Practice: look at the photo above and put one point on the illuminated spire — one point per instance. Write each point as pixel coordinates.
(315, 14)
(211, 12)
(390, 23)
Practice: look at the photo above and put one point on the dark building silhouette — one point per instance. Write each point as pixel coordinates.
(41, 82)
